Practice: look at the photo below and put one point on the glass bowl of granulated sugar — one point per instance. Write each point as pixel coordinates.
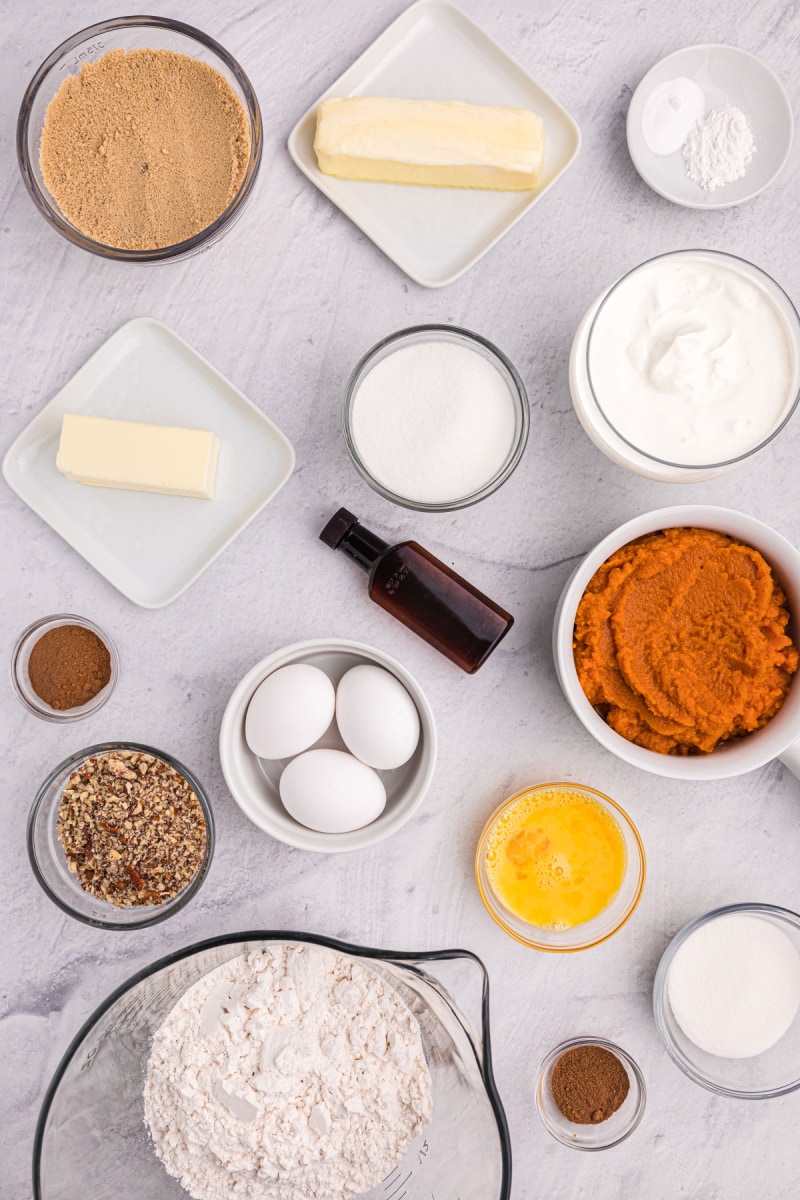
(726, 1000)
(139, 139)
(435, 418)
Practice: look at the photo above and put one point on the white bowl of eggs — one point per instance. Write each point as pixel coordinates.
(328, 745)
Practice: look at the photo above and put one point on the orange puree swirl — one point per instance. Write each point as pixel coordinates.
(680, 641)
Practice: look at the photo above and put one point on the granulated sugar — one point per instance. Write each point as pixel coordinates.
(734, 985)
(433, 421)
(287, 1073)
(144, 148)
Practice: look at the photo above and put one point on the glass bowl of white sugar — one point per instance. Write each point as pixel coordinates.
(435, 418)
(726, 1001)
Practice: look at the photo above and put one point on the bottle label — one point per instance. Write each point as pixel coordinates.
(395, 580)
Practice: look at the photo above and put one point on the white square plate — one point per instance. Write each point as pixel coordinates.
(434, 52)
(149, 546)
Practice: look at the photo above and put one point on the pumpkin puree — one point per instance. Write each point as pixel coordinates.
(680, 641)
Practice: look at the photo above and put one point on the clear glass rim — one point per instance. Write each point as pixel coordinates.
(45, 713)
(665, 462)
(49, 209)
(627, 1061)
(660, 999)
(490, 902)
(520, 396)
(156, 916)
(404, 958)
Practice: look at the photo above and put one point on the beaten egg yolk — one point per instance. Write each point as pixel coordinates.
(556, 858)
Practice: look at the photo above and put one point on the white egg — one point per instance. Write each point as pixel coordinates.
(377, 718)
(331, 791)
(289, 711)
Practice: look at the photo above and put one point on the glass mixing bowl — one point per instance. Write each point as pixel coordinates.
(91, 1140)
(588, 933)
(416, 335)
(49, 863)
(128, 33)
(773, 1073)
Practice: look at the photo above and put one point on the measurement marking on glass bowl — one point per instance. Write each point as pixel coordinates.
(83, 54)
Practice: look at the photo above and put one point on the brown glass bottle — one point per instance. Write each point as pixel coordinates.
(423, 593)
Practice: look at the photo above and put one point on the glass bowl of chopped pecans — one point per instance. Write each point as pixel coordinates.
(120, 835)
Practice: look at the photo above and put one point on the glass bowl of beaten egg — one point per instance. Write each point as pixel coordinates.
(560, 867)
(134, 33)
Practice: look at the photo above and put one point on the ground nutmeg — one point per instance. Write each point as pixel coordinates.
(589, 1084)
(68, 666)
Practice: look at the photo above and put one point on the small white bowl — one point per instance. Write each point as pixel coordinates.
(779, 738)
(253, 782)
(726, 75)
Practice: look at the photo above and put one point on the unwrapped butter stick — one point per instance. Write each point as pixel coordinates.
(138, 457)
(440, 143)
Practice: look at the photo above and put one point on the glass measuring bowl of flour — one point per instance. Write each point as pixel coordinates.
(435, 418)
(687, 366)
(92, 1141)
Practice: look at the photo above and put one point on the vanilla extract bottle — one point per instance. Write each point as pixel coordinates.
(422, 592)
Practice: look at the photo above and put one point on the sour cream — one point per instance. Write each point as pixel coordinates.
(691, 360)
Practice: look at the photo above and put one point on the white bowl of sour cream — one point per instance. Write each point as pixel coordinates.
(687, 366)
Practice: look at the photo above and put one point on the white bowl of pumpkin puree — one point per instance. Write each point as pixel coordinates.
(676, 643)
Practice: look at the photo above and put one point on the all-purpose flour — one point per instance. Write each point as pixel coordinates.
(288, 1073)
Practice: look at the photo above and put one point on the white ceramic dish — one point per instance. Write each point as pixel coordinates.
(433, 51)
(253, 782)
(780, 738)
(148, 546)
(609, 440)
(726, 75)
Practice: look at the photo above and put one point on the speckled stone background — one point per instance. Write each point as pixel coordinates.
(284, 306)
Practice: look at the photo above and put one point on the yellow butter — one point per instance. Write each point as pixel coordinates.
(138, 457)
(439, 143)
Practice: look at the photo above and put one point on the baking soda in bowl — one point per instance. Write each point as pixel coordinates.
(734, 985)
(434, 421)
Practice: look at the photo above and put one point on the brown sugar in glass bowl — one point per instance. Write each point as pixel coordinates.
(64, 668)
(175, 145)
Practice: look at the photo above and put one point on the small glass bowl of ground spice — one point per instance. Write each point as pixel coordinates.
(120, 835)
(140, 139)
(64, 668)
(590, 1094)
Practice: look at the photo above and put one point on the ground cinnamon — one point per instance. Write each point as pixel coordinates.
(589, 1084)
(68, 666)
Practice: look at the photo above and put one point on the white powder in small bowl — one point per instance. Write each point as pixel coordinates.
(434, 422)
(734, 985)
(718, 148)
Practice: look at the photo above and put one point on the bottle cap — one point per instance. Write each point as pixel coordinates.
(338, 528)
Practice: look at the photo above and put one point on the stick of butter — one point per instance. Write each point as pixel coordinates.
(138, 457)
(441, 143)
